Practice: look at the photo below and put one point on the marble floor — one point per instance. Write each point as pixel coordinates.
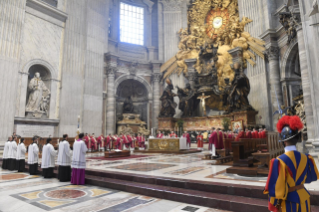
(21, 192)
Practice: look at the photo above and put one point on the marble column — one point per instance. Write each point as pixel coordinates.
(156, 77)
(191, 71)
(306, 88)
(274, 79)
(110, 108)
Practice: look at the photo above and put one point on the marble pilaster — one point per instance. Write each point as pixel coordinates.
(156, 77)
(110, 108)
(274, 80)
(306, 86)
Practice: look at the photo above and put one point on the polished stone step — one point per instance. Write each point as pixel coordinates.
(214, 187)
(201, 198)
(206, 199)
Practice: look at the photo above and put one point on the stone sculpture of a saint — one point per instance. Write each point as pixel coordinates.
(38, 92)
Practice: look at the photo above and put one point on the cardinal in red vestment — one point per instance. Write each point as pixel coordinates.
(93, 142)
(200, 140)
(101, 141)
(213, 139)
(230, 135)
(264, 133)
(159, 135)
(141, 142)
(254, 134)
(248, 134)
(188, 138)
(173, 135)
(259, 133)
(87, 140)
(241, 134)
(118, 141)
(108, 141)
(220, 144)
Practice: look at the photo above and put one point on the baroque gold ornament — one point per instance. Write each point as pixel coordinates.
(214, 24)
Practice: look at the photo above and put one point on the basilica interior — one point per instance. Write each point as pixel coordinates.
(149, 82)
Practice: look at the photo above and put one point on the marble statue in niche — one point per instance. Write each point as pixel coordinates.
(39, 97)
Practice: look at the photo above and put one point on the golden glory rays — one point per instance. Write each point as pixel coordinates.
(214, 23)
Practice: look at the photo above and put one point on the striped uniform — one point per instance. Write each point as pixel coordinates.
(288, 170)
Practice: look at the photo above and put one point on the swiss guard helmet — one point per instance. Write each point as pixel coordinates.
(289, 127)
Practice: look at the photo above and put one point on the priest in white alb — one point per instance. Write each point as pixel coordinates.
(78, 161)
(20, 161)
(64, 160)
(48, 159)
(33, 157)
(12, 154)
(5, 158)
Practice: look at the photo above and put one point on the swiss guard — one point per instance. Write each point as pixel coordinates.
(290, 171)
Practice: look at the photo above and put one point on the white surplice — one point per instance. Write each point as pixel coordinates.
(78, 158)
(6, 150)
(12, 150)
(48, 156)
(64, 156)
(33, 151)
(21, 150)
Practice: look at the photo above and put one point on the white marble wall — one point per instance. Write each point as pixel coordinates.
(41, 45)
(11, 24)
(82, 68)
(259, 97)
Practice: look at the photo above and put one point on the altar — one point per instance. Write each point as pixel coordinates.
(167, 144)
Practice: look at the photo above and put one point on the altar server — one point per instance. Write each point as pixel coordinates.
(290, 171)
(64, 160)
(78, 161)
(213, 139)
(48, 159)
(5, 159)
(20, 161)
(188, 138)
(200, 140)
(33, 156)
(12, 154)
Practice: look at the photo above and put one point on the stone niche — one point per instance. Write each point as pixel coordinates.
(44, 100)
(139, 99)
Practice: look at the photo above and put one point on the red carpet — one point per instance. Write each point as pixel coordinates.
(120, 158)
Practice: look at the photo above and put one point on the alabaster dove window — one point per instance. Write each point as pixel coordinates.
(131, 24)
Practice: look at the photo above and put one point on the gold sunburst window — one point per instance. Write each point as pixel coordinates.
(217, 21)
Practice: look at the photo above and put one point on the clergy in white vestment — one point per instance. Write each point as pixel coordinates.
(12, 154)
(78, 161)
(5, 159)
(64, 160)
(20, 161)
(48, 159)
(33, 156)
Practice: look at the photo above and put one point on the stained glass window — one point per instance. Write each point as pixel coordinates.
(131, 24)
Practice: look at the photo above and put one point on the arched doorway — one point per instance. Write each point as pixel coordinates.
(291, 75)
